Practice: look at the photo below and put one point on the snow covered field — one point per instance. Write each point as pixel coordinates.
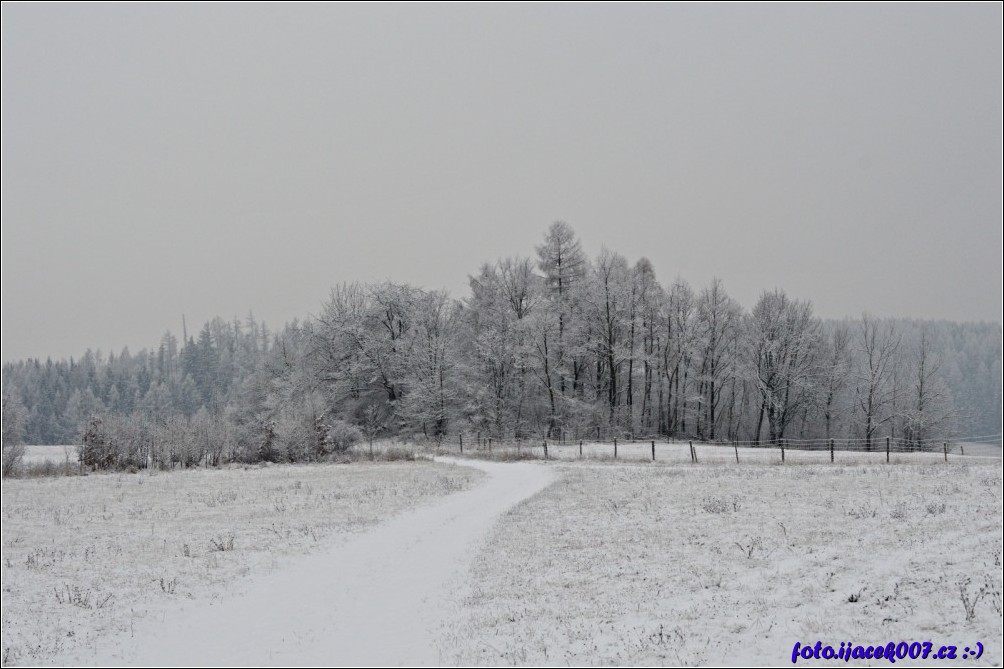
(54, 454)
(649, 564)
(91, 558)
(614, 563)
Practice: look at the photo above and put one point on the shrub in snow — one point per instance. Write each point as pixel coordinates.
(13, 454)
(342, 435)
(13, 427)
(722, 505)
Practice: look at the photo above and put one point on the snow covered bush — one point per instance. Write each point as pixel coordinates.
(343, 435)
(13, 427)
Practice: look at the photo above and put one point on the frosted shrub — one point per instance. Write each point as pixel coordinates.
(715, 505)
(722, 505)
(13, 429)
(13, 454)
(343, 435)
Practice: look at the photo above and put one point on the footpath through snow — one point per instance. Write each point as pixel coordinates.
(378, 599)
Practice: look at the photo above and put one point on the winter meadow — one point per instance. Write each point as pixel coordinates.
(590, 370)
(690, 422)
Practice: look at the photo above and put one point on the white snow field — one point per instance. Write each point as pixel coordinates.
(653, 564)
(57, 455)
(376, 599)
(97, 567)
(616, 563)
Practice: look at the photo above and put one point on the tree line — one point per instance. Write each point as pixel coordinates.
(547, 346)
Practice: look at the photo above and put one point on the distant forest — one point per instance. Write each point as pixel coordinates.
(548, 345)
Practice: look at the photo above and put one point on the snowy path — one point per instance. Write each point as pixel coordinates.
(376, 600)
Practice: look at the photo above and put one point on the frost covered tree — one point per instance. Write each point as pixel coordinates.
(13, 433)
(293, 402)
(431, 368)
(783, 348)
(718, 320)
(878, 349)
(494, 359)
(834, 372)
(930, 411)
(650, 303)
(553, 346)
(544, 338)
(608, 314)
(361, 343)
(502, 362)
(565, 267)
(677, 354)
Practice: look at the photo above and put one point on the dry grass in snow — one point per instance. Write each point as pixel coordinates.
(651, 565)
(87, 556)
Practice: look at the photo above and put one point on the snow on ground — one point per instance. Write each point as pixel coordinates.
(630, 564)
(88, 559)
(980, 450)
(616, 563)
(377, 598)
(55, 454)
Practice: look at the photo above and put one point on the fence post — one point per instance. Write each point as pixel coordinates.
(489, 444)
(545, 449)
(615, 448)
(831, 451)
(580, 449)
(735, 445)
(782, 451)
(694, 449)
(653, 450)
(693, 457)
(887, 450)
(946, 451)
(461, 443)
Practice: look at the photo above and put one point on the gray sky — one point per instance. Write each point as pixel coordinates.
(216, 159)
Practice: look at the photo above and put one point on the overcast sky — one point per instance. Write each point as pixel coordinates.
(161, 160)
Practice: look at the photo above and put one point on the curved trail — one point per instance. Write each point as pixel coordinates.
(378, 599)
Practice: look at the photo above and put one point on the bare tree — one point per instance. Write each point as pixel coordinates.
(565, 267)
(878, 346)
(650, 304)
(718, 318)
(361, 344)
(431, 367)
(498, 313)
(930, 403)
(677, 354)
(834, 374)
(783, 340)
(609, 300)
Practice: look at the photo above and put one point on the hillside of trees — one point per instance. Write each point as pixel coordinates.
(556, 344)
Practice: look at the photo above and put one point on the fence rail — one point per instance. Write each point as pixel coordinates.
(850, 451)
